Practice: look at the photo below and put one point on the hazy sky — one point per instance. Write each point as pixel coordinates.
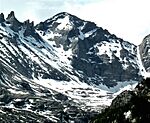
(128, 19)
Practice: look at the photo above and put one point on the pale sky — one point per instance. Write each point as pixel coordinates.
(128, 19)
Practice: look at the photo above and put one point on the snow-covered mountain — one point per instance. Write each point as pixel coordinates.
(62, 67)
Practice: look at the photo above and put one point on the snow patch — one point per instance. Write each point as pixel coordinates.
(17, 91)
(127, 114)
(64, 23)
(81, 92)
(121, 86)
(87, 34)
(109, 48)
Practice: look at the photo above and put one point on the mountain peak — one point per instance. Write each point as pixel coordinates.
(15, 24)
(29, 27)
(58, 18)
(63, 13)
(11, 15)
(28, 23)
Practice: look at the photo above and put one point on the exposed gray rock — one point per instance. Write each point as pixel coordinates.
(15, 24)
(145, 52)
(29, 28)
(2, 19)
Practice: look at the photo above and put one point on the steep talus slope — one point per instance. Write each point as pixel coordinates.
(129, 106)
(63, 69)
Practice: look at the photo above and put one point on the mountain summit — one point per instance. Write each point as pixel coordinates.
(93, 48)
(64, 68)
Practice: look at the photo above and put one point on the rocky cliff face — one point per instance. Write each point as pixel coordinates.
(100, 57)
(145, 52)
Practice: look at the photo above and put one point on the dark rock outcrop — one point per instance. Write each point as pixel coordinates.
(15, 24)
(129, 106)
(29, 28)
(145, 52)
(2, 19)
